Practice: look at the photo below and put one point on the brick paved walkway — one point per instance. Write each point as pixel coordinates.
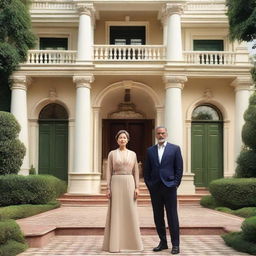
(192, 217)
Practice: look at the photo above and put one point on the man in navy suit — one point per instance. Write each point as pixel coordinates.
(162, 174)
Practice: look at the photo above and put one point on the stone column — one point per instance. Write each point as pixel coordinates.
(173, 108)
(172, 16)
(242, 93)
(85, 32)
(19, 110)
(83, 180)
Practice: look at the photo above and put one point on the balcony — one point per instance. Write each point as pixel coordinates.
(130, 53)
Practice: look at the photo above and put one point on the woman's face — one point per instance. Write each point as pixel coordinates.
(122, 140)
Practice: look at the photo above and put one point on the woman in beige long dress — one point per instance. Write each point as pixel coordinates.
(122, 232)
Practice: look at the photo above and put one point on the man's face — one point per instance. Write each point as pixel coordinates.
(161, 135)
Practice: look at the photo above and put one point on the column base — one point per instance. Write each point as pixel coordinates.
(84, 183)
(187, 186)
(24, 172)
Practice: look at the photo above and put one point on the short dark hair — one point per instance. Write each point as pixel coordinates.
(122, 131)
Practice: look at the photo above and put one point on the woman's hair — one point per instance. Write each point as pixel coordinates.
(122, 131)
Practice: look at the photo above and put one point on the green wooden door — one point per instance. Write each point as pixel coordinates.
(207, 152)
(53, 148)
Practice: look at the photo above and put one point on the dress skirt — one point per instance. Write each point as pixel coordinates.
(122, 231)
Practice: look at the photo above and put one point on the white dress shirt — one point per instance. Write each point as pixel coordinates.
(161, 150)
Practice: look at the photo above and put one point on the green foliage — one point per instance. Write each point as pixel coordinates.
(32, 189)
(245, 212)
(9, 229)
(242, 19)
(12, 150)
(247, 159)
(249, 229)
(253, 73)
(234, 193)
(12, 248)
(246, 167)
(32, 170)
(25, 210)
(209, 202)
(236, 241)
(9, 127)
(224, 209)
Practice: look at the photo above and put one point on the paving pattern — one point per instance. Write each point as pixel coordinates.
(91, 245)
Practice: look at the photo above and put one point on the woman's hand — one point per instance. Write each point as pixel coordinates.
(108, 193)
(136, 193)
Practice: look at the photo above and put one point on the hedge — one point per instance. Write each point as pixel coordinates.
(9, 127)
(249, 229)
(32, 189)
(234, 193)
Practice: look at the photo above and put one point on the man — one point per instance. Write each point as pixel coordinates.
(162, 175)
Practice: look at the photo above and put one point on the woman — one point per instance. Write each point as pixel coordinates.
(122, 232)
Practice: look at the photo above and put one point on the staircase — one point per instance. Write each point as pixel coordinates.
(144, 197)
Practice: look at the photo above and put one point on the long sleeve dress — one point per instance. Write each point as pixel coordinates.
(122, 232)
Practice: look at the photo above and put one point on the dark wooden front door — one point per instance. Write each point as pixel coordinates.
(207, 152)
(140, 135)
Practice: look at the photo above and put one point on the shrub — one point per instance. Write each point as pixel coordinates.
(249, 229)
(9, 127)
(224, 209)
(25, 210)
(246, 164)
(33, 189)
(246, 212)
(236, 241)
(234, 193)
(12, 151)
(209, 202)
(12, 248)
(32, 170)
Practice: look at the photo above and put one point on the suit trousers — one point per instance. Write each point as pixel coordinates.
(165, 197)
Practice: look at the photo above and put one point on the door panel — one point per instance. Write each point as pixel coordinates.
(206, 152)
(140, 135)
(53, 148)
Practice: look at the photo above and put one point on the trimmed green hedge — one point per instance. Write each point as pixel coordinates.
(249, 229)
(25, 210)
(209, 202)
(9, 127)
(12, 241)
(234, 193)
(246, 164)
(236, 241)
(33, 189)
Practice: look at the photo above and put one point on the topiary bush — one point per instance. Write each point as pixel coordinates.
(246, 161)
(234, 193)
(32, 189)
(209, 202)
(12, 150)
(249, 229)
(12, 241)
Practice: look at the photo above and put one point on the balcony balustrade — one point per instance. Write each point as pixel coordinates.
(132, 53)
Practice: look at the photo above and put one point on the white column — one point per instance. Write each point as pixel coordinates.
(85, 32)
(242, 94)
(19, 110)
(83, 180)
(173, 108)
(96, 144)
(172, 14)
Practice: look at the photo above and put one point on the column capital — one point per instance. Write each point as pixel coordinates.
(172, 8)
(86, 9)
(242, 83)
(172, 81)
(20, 82)
(83, 81)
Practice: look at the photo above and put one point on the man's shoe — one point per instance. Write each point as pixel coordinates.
(160, 247)
(175, 250)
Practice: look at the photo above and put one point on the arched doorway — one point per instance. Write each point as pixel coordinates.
(53, 141)
(207, 144)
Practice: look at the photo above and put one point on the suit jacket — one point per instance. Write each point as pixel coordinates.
(169, 171)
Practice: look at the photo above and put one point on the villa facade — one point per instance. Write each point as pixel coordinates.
(104, 65)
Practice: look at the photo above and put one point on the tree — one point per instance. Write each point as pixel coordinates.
(246, 161)
(12, 150)
(16, 38)
(242, 22)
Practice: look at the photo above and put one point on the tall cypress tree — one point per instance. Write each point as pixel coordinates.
(16, 38)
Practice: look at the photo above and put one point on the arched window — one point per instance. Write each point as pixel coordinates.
(53, 111)
(206, 113)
